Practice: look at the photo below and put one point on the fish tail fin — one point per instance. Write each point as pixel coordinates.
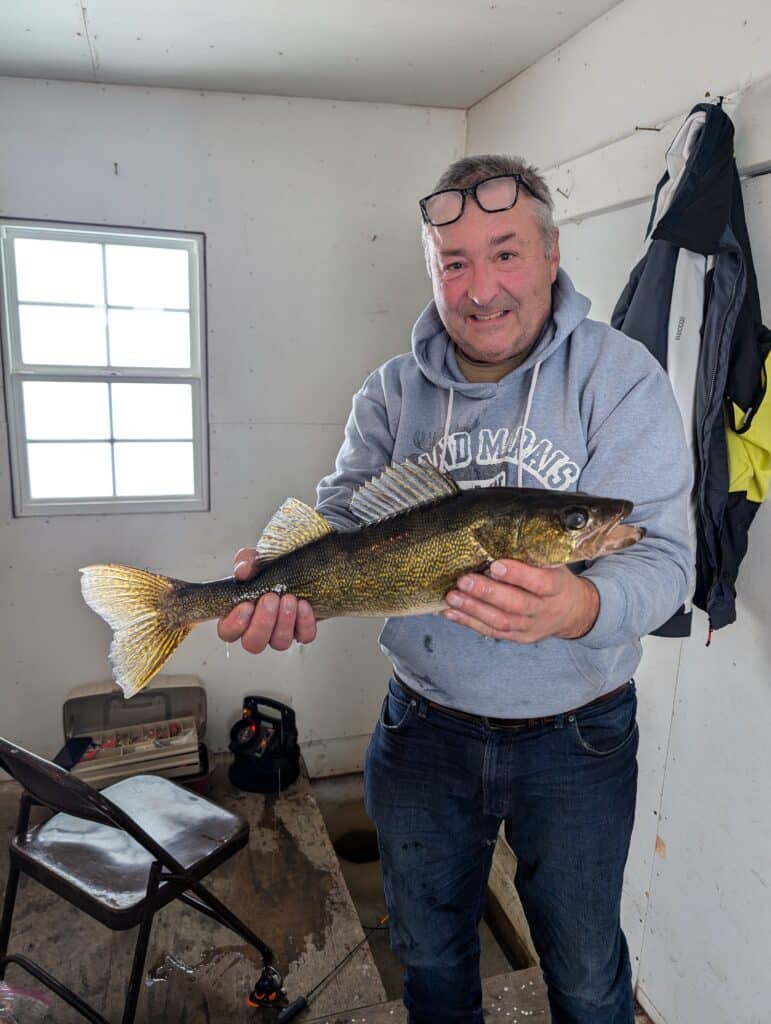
(139, 606)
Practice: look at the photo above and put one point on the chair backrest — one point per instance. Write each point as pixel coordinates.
(51, 785)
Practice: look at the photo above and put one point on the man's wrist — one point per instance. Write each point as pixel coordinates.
(588, 608)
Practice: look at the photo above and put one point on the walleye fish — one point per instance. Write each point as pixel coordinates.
(419, 532)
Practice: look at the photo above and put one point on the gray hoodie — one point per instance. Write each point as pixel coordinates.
(588, 409)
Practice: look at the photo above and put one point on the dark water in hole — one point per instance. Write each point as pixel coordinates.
(358, 846)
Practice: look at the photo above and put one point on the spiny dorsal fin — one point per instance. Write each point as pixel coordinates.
(293, 526)
(401, 488)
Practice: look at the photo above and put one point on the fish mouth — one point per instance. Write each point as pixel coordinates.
(621, 536)
(612, 535)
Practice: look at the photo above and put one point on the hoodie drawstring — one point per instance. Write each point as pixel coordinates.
(443, 458)
(523, 428)
(525, 418)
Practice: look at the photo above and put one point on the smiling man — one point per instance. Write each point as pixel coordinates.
(508, 382)
(492, 271)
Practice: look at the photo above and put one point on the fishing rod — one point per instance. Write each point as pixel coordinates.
(291, 1011)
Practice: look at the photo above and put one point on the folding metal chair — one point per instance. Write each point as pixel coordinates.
(120, 855)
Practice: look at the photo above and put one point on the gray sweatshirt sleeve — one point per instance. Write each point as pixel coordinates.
(366, 450)
(638, 452)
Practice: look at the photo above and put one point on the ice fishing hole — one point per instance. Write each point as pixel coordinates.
(359, 846)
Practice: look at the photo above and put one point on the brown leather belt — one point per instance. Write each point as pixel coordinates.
(506, 723)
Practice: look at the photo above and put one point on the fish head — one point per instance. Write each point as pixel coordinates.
(546, 528)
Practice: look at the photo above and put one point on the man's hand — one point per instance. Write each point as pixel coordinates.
(522, 603)
(272, 621)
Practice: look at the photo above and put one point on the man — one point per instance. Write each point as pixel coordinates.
(509, 383)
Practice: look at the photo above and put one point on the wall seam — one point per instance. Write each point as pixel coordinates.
(660, 803)
(91, 48)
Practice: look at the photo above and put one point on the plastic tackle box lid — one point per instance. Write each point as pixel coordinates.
(96, 707)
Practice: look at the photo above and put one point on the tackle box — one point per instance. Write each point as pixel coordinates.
(159, 731)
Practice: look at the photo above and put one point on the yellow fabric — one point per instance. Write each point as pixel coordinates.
(749, 455)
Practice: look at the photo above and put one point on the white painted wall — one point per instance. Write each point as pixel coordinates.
(643, 62)
(696, 896)
(314, 277)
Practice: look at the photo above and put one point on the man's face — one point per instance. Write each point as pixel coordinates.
(491, 280)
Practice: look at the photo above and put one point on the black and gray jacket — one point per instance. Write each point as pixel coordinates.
(693, 301)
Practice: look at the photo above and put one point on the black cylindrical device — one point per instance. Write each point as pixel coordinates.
(291, 1011)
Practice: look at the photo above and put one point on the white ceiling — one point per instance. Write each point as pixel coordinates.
(445, 53)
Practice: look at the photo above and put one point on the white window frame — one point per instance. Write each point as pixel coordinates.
(16, 371)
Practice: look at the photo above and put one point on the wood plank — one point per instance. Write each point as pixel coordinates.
(626, 171)
(518, 996)
(504, 895)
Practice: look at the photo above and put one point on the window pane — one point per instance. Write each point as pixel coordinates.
(65, 409)
(149, 338)
(158, 468)
(152, 410)
(69, 470)
(103, 356)
(140, 275)
(48, 271)
(63, 336)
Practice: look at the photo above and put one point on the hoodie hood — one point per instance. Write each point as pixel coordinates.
(435, 355)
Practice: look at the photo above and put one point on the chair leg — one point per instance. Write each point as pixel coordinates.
(212, 907)
(22, 821)
(61, 990)
(8, 905)
(140, 950)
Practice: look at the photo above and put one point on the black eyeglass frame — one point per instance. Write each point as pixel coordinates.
(471, 190)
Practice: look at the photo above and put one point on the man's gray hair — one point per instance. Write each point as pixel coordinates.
(472, 169)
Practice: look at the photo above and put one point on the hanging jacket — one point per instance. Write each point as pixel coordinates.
(692, 299)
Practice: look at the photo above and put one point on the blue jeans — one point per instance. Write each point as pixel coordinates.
(437, 789)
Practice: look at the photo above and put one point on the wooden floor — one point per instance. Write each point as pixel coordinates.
(287, 885)
(516, 998)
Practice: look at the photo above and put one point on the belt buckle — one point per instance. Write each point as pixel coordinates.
(504, 723)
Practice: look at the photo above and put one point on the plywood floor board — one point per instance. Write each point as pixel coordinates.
(516, 997)
(286, 885)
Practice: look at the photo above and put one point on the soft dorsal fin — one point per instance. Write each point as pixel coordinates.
(293, 526)
(401, 488)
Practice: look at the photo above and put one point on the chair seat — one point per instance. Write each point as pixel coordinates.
(104, 870)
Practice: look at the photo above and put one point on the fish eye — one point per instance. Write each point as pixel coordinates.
(574, 518)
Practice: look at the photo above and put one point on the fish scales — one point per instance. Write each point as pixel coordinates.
(392, 568)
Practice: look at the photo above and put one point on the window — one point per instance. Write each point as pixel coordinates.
(103, 344)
